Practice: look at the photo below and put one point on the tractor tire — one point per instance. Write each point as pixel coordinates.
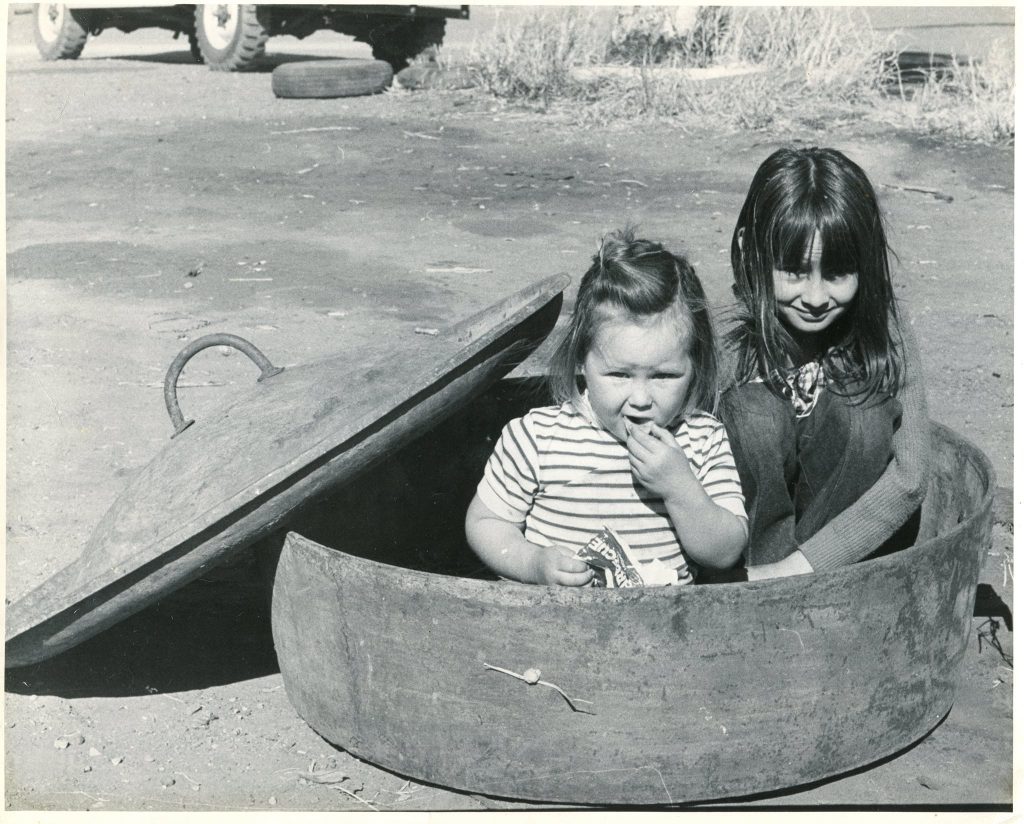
(231, 36)
(331, 78)
(60, 32)
(398, 42)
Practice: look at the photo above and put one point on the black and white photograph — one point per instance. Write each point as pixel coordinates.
(509, 408)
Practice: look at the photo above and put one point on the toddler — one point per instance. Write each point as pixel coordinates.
(631, 444)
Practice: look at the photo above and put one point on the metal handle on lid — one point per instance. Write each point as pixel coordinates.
(267, 370)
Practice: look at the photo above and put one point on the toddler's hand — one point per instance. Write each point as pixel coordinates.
(657, 460)
(556, 565)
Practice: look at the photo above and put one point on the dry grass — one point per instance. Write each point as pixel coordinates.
(833, 51)
(750, 101)
(969, 102)
(812, 58)
(530, 57)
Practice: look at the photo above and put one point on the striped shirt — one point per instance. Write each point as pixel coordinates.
(562, 478)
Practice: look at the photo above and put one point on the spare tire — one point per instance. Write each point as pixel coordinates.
(331, 78)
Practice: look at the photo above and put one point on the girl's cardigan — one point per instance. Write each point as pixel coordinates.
(866, 524)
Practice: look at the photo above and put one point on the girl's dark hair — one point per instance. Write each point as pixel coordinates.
(795, 193)
(641, 278)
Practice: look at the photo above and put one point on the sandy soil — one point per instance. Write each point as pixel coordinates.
(313, 227)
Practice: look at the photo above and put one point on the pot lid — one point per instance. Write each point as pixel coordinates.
(224, 482)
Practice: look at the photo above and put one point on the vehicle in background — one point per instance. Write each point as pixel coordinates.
(232, 36)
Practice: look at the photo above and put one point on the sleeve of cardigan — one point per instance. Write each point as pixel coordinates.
(866, 524)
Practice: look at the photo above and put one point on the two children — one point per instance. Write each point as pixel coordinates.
(827, 415)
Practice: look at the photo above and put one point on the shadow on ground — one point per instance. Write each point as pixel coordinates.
(265, 64)
(213, 631)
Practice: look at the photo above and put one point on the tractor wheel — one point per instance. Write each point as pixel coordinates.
(231, 36)
(331, 78)
(60, 32)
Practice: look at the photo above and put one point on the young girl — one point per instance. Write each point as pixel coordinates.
(828, 420)
(631, 443)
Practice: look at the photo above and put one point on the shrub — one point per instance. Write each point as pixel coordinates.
(674, 35)
(810, 58)
(530, 57)
(972, 101)
(833, 50)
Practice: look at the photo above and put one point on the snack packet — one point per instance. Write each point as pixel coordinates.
(611, 556)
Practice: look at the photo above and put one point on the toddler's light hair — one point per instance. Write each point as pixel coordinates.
(641, 278)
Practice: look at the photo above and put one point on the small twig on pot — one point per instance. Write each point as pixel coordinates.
(532, 676)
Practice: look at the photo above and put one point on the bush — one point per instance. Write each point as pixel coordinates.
(676, 35)
(808, 59)
(973, 101)
(531, 57)
(834, 50)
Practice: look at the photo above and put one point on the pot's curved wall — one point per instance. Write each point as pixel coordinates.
(696, 693)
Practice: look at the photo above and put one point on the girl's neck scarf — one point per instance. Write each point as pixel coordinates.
(802, 385)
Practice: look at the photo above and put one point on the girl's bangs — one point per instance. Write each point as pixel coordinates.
(840, 248)
(791, 240)
(794, 236)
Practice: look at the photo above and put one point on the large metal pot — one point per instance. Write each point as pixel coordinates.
(695, 693)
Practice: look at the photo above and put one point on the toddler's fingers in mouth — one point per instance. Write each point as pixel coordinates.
(637, 424)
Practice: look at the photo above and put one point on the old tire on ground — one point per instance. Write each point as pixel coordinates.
(915, 68)
(231, 36)
(60, 32)
(331, 78)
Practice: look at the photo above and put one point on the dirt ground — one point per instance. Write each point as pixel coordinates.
(150, 201)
